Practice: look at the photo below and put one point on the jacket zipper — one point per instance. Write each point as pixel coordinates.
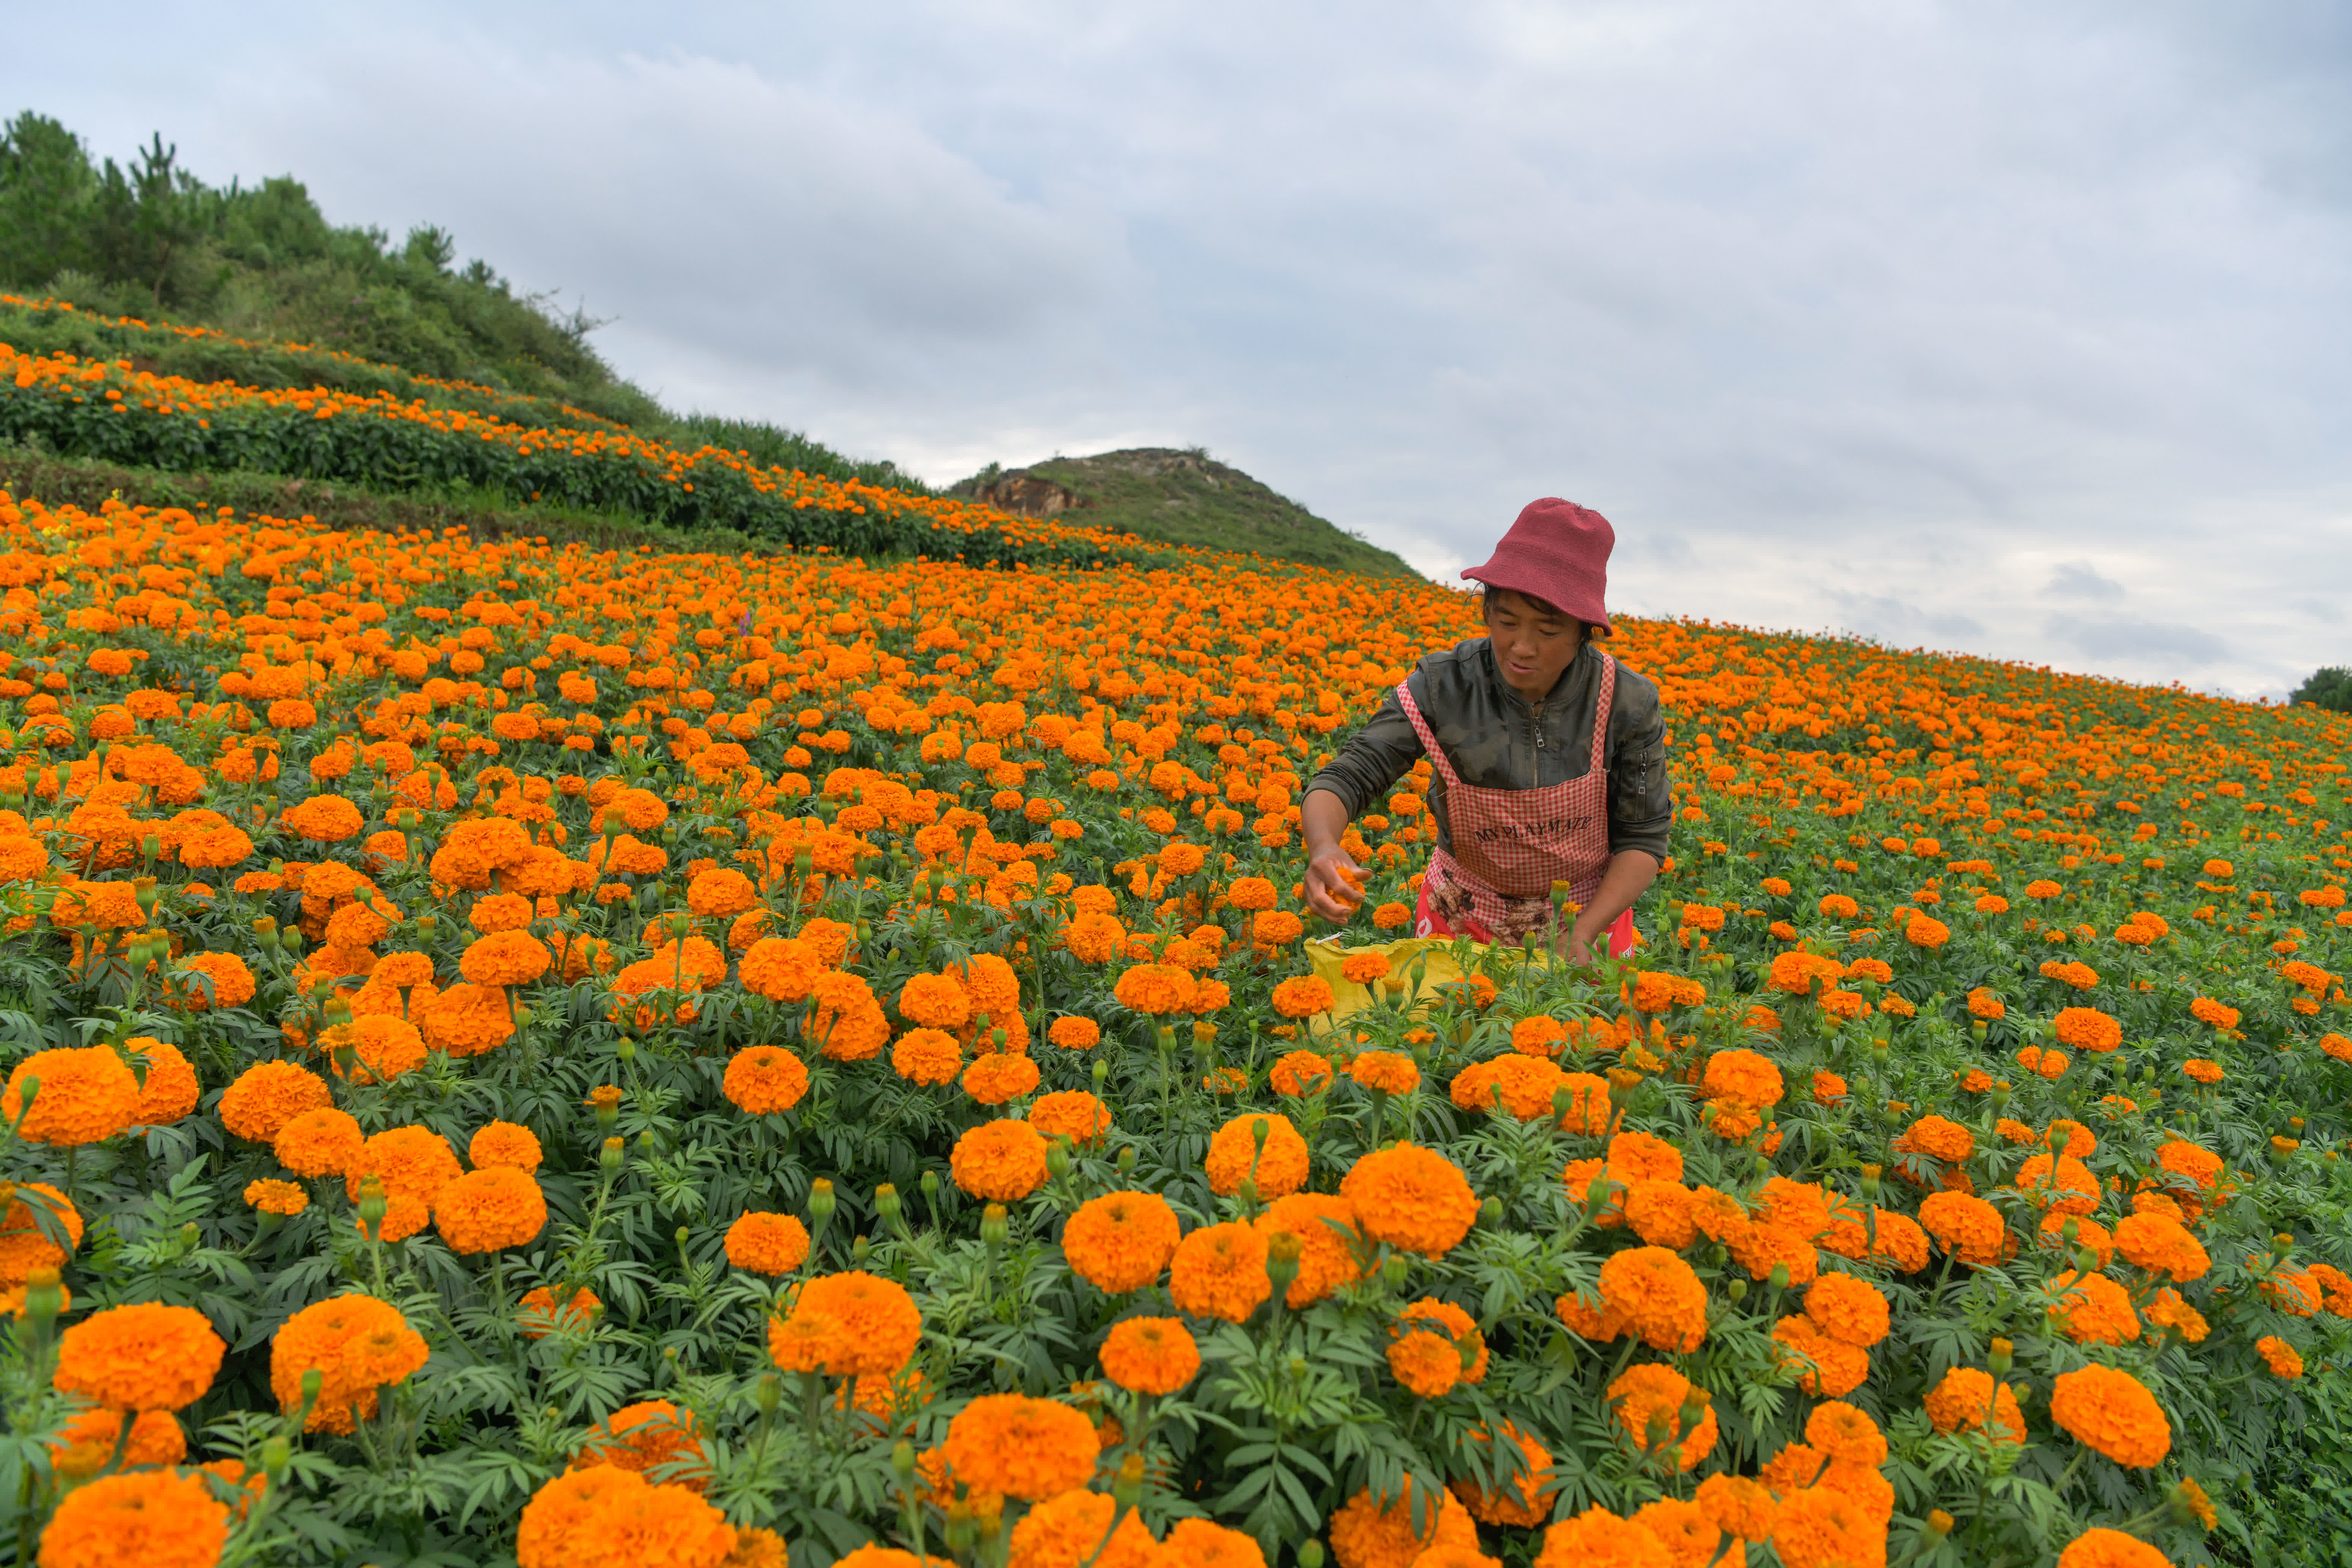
(1535, 733)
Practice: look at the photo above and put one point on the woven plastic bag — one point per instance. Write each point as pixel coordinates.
(1436, 962)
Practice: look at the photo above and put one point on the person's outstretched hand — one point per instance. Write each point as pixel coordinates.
(1334, 884)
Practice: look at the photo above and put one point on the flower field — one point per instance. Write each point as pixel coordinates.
(520, 1053)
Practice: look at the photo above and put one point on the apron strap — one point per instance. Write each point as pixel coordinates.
(1428, 739)
(1600, 709)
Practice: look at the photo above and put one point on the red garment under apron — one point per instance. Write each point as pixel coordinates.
(1510, 846)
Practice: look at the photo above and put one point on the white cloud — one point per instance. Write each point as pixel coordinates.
(1926, 319)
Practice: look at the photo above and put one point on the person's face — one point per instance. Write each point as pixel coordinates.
(1532, 643)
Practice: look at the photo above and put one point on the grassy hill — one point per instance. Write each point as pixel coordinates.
(1179, 497)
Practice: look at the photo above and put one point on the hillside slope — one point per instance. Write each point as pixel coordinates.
(1179, 497)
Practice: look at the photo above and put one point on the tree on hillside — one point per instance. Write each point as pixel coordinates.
(2330, 688)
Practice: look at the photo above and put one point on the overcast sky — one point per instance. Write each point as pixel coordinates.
(2022, 330)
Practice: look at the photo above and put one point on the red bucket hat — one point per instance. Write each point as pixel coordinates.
(1557, 552)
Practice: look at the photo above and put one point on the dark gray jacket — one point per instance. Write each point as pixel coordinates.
(1497, 739)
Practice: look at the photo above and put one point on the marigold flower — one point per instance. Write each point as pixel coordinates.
(1391, 1072)
(879, 1322)
(86, 1444)
(1323, 1225)
(1200, 1543)
(505, 1143)
(1968, 1398)
(1023, 1447)
(2113, 1413)
(1219, 1272)
(1299, 1074)
(782, 969)
(88, 1094)
(490, 1208)
(995, 1077)
(541, 1314)
(1067, 1530)
(1599, 1539)
(323, 1337)
(1738, 1506)
(146, 1356)
(1073, 1034)
(929, 1056)
(1156, 989)
(2281, 1357)
(284, 1199)
(1938, 1138)
(1657, 1296)
(1071, 1113)
(1522, 1503)
(1821, 1527)
(1824, 1366)
(1150, 1355)
(1966, 1226)
(1366, 1534)
(1850, 1310)
(2161, 1245)
(764, 1079)
(157, 1519)
(509, 958)
(1279, 1169)
(319, 1143)
(1002, 1161)
(1411, 1197)
(629, 1519)
(414, 1163)
(643, 1436)
(2103, 1548)
(2088, 1029)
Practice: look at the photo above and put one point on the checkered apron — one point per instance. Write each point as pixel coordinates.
(1511, 844)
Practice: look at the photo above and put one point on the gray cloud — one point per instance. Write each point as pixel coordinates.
(1894, 318)
(2081, 579)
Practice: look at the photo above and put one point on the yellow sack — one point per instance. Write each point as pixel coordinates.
(1435, 957)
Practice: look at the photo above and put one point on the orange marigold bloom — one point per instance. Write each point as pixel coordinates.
(1302, 996)
(1323, 1225)
(1279, 1168)
(1825, 1366)
(2184, 1159)
(1821, 1527)
(2104, 1547)
(1002, 1161)
(1023, 1447)
(629, 1519)
(357, 1343)
(930, 1056)
(1156, 989)
(1073, 1034)
(509, 958)
(88, 1094)
(1065, 1530)
(1413, 1198)
(1657, 1296)
(781, 968)
(1391, 1072)
(1219, 1272)
(2161, 1245)
(490, 1208)
(86, 1444)
(414, 1163)
(1071, 1113)
(324, 819)
(1425, 1362)
(1742, 1077)
(996, 1077)
(1599, 1539)
(2114, 1413)
(1199, 1543)
(266, 1097)
(2281, 1357)
(767, 1243)
(320, 1143)
(156, 1518)
(382, 1046)
(284, 1199)
(2170, 1311)
(1365, 1534)
(1299, 1073)
(1968, 1398)
(880, 1321)
(505, 1143)
(764, 1079)
(935, 1001)
(1966, 1226)
(1653, 1403)
(2088, 1029)
(1150, 1355)
(1938, 1138)
(643, 1436)
(226, 981)
(1850, 1310)
(146, 1356)
(1120, 1241)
